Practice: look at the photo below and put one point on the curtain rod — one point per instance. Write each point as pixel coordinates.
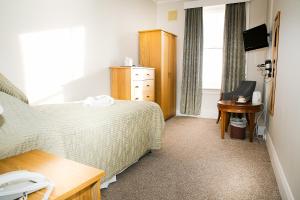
(203, 3)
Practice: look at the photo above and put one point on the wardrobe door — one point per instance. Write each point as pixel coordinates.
(165, 76)
(150, 51)
(172, 75)
(155, 61)
(144, 49)
(158, 50)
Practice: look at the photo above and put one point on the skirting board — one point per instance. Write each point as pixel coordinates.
(283, 185)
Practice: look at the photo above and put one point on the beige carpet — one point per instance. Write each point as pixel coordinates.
(195, 163)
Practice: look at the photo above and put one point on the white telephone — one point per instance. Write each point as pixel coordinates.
(18, 184)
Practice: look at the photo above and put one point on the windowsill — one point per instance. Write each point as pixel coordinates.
(211, 91)
(211, 88)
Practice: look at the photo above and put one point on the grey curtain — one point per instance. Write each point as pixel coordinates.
(191, 89)
(233, 49)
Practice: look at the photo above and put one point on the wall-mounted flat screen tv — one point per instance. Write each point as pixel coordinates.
(256, 38)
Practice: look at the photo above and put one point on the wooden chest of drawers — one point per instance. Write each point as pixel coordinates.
(133, 83)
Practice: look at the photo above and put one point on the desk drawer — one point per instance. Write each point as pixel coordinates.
(149, 74)
(142, 74)
(148, 85)
(145, 85)
(142, 92)
(148, 96)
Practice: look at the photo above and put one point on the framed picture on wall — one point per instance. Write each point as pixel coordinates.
(275, 43)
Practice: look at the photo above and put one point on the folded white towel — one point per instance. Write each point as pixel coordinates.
(99, 101)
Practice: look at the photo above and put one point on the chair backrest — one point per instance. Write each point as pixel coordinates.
(246, 89)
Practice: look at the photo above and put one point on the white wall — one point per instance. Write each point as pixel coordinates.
(88, 35)
(284, 126)
(176, 27)
(257, 16)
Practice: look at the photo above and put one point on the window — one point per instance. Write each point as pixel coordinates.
(213, 28)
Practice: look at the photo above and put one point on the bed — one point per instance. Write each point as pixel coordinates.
(110, 138)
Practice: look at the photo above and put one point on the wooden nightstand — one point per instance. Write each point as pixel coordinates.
(72, 180)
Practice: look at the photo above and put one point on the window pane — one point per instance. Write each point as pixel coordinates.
(213, 26)
(212, 68)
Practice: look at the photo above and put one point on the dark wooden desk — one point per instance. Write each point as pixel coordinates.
(250, 109)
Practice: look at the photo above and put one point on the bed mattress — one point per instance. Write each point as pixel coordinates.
(110, 138)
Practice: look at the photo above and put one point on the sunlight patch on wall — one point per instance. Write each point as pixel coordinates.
(52, 59)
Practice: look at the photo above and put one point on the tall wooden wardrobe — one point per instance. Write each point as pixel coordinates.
(157, 49)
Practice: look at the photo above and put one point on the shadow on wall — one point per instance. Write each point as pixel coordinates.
(54, 66)
(51, 59)
(89, 85)
(76, 90)
(126, 41)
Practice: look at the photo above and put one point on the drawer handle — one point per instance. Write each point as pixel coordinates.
(136, 74)
(148, 85)
(148, 96)
(136, 86)
(148, 74)
(136, 98)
